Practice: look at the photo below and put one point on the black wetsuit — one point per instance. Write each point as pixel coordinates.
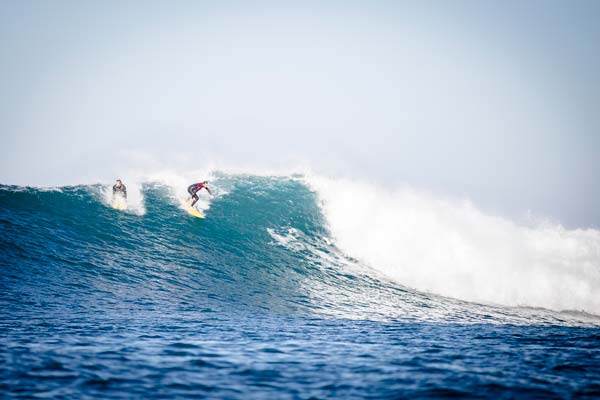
(194, 189)
(121, 191)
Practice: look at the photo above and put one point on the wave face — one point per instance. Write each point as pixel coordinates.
(284, 274)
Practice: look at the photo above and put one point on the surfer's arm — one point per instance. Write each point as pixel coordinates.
(208, 190)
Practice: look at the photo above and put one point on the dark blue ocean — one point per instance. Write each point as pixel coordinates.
(253, 302)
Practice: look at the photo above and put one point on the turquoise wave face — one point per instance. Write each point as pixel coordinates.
(69, 243)
(264, 246)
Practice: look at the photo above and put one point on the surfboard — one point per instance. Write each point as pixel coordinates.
(118, 203)
(194, 212)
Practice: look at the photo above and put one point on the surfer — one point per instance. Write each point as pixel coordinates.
(193, 189)
(119, 189)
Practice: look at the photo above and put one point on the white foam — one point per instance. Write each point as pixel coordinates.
(449, 247)
(288, 238)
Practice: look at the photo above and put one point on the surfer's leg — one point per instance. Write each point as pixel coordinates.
(195, 199)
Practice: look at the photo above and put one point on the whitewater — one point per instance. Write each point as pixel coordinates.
(294, 286)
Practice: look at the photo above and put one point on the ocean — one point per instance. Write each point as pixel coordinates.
(291, 288)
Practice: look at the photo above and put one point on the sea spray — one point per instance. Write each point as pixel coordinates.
(449, 247)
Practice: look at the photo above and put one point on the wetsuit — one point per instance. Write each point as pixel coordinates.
(121, 191)
(194, 189)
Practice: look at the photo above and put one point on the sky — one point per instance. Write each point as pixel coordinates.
(496, 102)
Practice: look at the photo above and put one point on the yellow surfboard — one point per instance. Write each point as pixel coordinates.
(118, 203)
(194, 212)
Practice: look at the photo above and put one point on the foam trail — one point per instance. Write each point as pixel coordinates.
(451, 248)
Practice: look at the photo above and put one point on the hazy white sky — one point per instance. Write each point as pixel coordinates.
(495, 101)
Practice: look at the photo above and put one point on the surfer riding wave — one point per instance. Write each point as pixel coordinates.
(119, 189)
(194, 188)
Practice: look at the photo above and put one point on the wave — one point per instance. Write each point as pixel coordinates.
(299, 244)
(449, 247)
